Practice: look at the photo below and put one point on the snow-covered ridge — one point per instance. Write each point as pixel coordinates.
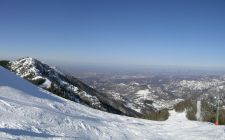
(24, 67)
(34, 70)
(67, 86)
(28, 112)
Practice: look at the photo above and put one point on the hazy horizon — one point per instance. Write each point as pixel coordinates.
(84, 67)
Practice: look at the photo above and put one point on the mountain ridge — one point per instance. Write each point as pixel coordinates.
(66, 86)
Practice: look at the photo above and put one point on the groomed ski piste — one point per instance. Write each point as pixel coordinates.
(27, 112)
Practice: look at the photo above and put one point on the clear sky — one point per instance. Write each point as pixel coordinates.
(115, 32)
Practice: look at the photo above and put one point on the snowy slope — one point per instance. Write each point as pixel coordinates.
(32, 69)
(66, 86)
(27, 112)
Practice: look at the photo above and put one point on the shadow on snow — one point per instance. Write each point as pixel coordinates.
(20, 132)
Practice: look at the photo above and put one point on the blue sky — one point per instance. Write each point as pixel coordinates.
(115, 32)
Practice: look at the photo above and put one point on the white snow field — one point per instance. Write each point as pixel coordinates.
(27, 112)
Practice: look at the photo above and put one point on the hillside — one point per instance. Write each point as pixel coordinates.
(28, 112)
(145, 97)
(66, 86)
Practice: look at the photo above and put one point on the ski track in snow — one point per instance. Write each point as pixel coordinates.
(198, 114)
(27, 112)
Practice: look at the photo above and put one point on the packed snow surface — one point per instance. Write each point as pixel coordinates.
(27, 112)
